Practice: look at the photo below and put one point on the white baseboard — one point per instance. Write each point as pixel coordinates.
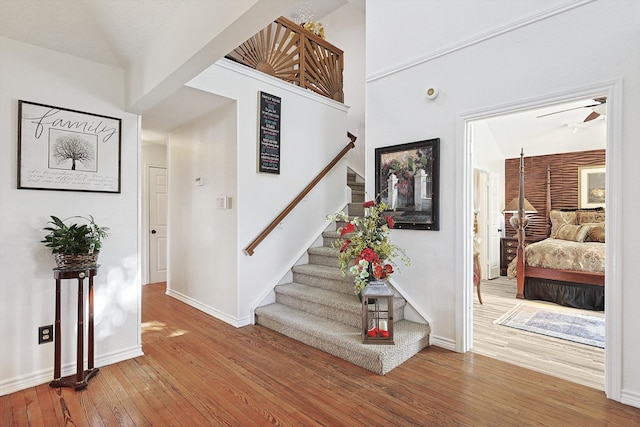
(44, 376)
(238, 323)
(630, 398)
(445, 343)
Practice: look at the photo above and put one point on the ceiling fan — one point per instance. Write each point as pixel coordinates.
(597, 110)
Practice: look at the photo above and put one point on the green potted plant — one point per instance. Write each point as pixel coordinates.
(75, 245)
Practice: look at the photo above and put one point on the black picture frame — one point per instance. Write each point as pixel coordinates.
(67, 150)
(269, 134)
(591, 186)
(410, 163)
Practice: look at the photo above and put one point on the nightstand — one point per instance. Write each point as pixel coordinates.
(509, 250)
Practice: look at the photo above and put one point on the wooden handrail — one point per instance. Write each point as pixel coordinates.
(252, 246)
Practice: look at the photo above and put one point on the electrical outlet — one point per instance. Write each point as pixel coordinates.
(45, 334)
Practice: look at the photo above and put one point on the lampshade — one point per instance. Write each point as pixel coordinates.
(512, 207)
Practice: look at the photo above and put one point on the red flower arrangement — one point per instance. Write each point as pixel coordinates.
(366, 251)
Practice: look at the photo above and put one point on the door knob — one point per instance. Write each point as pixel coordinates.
(153, 231)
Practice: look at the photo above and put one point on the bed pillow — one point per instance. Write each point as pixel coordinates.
(595, 233)
(560, 218)
(583, 217)
(572, 232)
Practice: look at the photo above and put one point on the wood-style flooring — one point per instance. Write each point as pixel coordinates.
(199, 371)
(576, 362)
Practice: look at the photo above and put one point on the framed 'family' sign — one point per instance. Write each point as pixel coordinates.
(61, 149)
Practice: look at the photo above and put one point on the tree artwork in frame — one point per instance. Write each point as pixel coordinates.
(591, 186)
(407, 180)
(62, 149)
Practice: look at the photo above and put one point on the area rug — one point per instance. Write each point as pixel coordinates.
(577, 327)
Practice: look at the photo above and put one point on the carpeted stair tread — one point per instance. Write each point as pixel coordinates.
(322, 276)
(324, 251)
(331, 234)
(328, 272)
(357, 196)
(345, 341)
(328, 237)
(338, 306)
(323, 255)
(356, 209)
(341, 307)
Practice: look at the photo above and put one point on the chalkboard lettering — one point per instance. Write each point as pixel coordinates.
(269, 143)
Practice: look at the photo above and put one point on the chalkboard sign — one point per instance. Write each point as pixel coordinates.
(269, 160)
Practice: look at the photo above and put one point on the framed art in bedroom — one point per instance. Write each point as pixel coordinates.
(591, 186)
(407, 180)
(62, 149)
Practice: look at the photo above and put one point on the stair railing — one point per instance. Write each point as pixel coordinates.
(286, 211)
(292, 53)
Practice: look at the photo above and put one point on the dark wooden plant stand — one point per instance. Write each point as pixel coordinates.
(78, 380)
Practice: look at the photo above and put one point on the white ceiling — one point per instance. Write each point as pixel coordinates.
(562, 132)
(113, 32)
(110, 32)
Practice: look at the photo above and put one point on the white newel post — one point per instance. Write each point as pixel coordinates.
(392, 191)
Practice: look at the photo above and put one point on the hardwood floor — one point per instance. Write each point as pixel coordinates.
(198, 371)
(575, 362)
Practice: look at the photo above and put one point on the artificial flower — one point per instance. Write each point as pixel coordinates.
(367, 253)
(349, 228)
(390, 221)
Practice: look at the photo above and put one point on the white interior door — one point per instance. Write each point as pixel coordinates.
(157, 224)
(494, 226)
(480, 211)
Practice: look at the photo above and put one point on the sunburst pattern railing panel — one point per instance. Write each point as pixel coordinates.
(289, 52)
(323, 72)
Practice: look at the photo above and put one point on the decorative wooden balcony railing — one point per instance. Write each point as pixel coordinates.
(289, 52)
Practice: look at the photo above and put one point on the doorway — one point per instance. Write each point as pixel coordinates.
(613, 302)
(544, 132)
(157, 235)
(487, 222)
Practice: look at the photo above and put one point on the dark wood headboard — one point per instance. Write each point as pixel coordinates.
(564, 184)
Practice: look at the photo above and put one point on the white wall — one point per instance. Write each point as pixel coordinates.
(345, 28)
(488, 157)
(203, 247)
(154, 154)
(313, 131)
(27, 284)
(502, 58)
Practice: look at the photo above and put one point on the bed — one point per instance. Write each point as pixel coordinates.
(567, 268)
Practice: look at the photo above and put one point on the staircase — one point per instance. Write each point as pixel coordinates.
(319, 308)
